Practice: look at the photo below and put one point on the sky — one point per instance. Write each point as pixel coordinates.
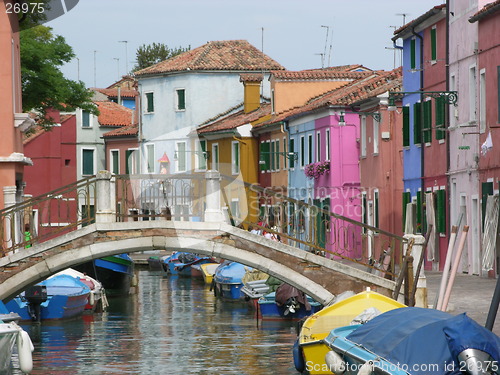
(298, 34)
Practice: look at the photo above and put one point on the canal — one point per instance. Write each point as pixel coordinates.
(171, 325)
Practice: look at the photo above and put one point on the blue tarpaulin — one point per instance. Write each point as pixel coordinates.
(424, 341)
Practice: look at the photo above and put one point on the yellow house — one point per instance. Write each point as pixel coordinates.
(232, 150)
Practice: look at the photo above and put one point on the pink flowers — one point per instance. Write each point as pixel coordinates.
(314, 170)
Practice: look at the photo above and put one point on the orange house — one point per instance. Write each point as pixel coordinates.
(12, 121)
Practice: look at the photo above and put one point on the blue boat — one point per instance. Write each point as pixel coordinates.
(228, 280)
(413, 340)
(115, 273)
(58, 297)
(177, 263)
(270, 310)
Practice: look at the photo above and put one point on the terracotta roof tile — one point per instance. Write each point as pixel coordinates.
(114, 93)
(236, 119)
(124, 131)
(251, 77)
(435, 10)
(378, 83)
(219, 55)
(112, 114)
(318, 75)
(485, 11)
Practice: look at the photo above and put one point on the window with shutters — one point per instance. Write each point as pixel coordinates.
(88, 162)
(413, 53)
(417, 124)
(149, 99)
(115, 161)
(215, 156)
(180, 104)
(302, 151)
(433, 44)
(291, 151)
(264, 159)
(181, 157)
(427, 121)
(406, 126)
(440, 107)
(235, 157)
(86, 119)
(440, 211)
(201, 155)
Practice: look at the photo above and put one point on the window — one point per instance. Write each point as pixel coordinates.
(482, 101)
(327, 141)
(131, 161)
(150, 107)
(88, 162)
(427, 123)
(302, 151)
(291, 151)
(180, 99)
(472, 93)
(115, 161)
(364, 205)
(150, 158)
(264, 160)
(376, 131)
(441, 210)
(363, 136)
(440, 105)
(310, 149)
(318, 146)
(85, 119)
(413, 53)
(201, 155)
(235, 157)
(376, 222)
(181, 156)
(417, 124)
(433, 44)
(406, 126)
(277, 155)
(215, 156)
(285, 152)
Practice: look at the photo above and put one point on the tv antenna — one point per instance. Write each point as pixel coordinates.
(404, 17)
(326, 43)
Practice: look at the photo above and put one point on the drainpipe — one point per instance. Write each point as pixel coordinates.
(422, 144)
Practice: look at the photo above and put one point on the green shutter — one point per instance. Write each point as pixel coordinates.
(413, 53)
(278, 155)
(150, 102)
(427, 123)
(128, 153)
(441, 211)
(181, 99)
(115, 156)
(272, 155)
(264, 156)
(417, 124)
(375, 208)
(291, 150)
(406, 126)
(440, 108)
(433, 45)
(406, 200)
(85, 119)
(302, 151)
(88, 162)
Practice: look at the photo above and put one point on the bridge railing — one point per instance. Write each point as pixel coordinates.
(315, 228)
(44, 217)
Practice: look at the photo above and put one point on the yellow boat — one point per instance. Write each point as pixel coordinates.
(208, 271)
(311, 348)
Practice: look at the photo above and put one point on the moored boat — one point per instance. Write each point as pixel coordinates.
(11, 334)
(208, 271)
(414, 340)
(116, 273)
(294, 306)
(310, 348)
(57, 297)
(228, 280)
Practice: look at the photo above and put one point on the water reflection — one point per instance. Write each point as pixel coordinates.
(171, 326)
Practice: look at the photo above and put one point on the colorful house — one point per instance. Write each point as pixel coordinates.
(487, 20)
(191, 89)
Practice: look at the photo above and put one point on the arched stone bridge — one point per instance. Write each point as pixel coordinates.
(319, 277)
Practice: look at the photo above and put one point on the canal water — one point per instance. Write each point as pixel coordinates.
(172, 325)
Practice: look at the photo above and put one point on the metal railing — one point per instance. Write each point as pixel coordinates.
(50, 215)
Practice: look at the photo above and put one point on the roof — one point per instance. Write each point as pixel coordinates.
(127, 83)
(113, 92)
(113, 114)
(39, 130)
(377, 83)
(486, 11)
(234, 120)
(319, 75)
(407, 28)
(124, 131)
(229, 55)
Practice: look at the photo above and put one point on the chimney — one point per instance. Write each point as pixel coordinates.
(251, 84)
